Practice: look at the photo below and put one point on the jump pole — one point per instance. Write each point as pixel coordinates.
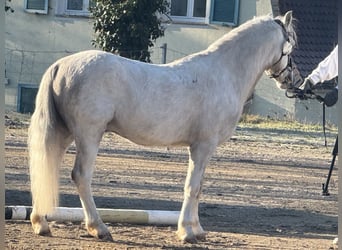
(73, 214)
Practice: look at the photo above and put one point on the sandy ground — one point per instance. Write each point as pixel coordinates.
(262, 190)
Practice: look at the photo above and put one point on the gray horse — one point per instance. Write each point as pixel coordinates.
(195, 102)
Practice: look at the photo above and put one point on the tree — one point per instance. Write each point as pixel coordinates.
(128, 27)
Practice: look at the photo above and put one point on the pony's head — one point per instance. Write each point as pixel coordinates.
(284, 70)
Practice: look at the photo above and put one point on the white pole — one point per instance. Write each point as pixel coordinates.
(73, 214)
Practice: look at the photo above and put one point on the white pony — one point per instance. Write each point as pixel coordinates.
(195, 101)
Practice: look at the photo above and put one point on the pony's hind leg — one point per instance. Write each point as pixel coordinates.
(87, 147)
(39, 224)
(189, 227)
(40, 171)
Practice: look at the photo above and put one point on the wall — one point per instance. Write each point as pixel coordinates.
(311, 111)
(34, 41)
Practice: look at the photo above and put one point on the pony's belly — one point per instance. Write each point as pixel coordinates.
(150, 138)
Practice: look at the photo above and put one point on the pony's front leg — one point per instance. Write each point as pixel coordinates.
(189, 227)
(82, 175)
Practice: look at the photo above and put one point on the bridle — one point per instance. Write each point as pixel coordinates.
(292, 81)
(288, 65)
(289, 59)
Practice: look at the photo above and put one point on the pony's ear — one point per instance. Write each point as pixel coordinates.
(287, 47)
(288, 19)
(289, 26)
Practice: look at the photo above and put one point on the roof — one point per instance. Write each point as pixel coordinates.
(316, 29)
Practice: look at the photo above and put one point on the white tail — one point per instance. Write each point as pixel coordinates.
(44, 149)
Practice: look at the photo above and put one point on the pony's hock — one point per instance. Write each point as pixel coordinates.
(182, 103)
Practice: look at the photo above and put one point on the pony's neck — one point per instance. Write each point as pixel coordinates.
(250, 49)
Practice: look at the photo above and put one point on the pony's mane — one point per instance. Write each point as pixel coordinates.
(264, 22)
(231, 35)
(260, 24)
(240, 30)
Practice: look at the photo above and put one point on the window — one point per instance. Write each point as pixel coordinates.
(205, 11)
(26, 97)
(74, 7)
(188, 10)
(179, 8)
(36, 6)
(225, 11)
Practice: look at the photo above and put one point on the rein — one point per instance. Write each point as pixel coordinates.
(294, 92)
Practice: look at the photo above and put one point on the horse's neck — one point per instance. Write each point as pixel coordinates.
(247, 54)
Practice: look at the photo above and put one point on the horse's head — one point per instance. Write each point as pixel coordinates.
(284, 70)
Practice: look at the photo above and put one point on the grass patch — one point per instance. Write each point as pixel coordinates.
(255, 121)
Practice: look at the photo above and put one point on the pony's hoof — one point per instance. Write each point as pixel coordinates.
(100, 232)
(187, 238)
(106, 237)
(201, 237)
(41, 230)
(40, 226)
(199, 233)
